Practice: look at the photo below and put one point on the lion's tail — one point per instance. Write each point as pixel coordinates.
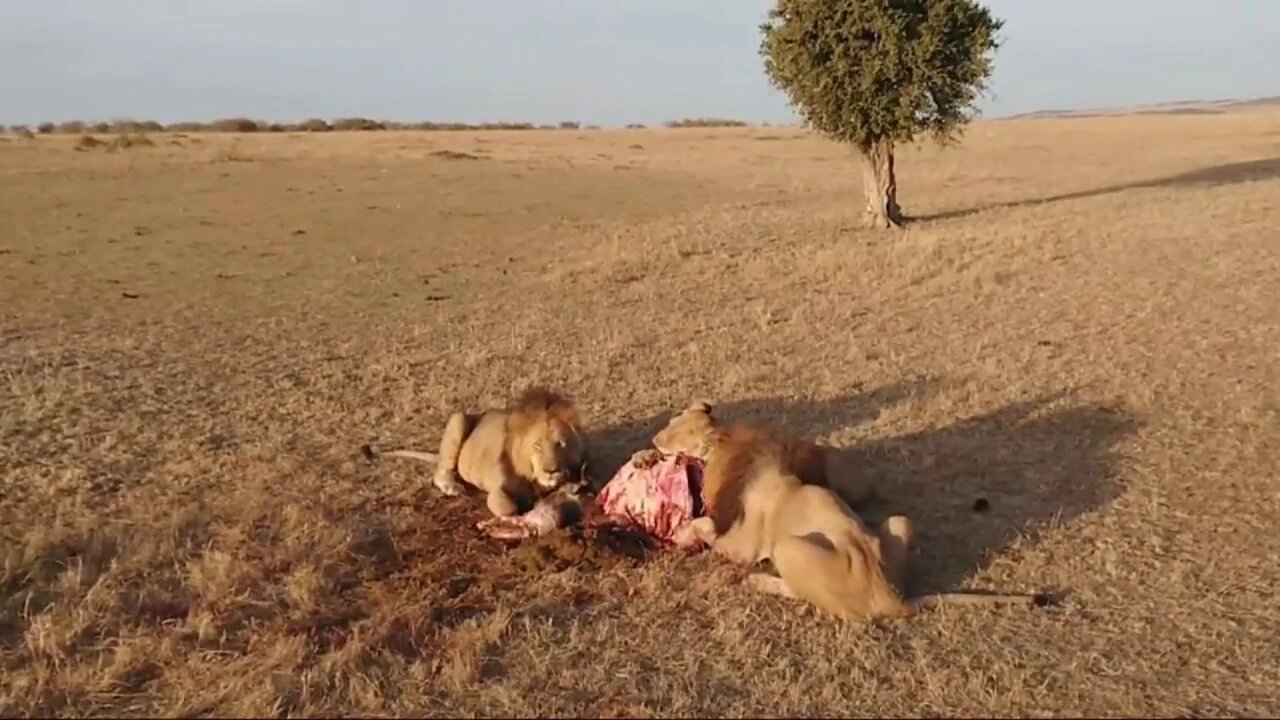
(968, 598)
(414, 455)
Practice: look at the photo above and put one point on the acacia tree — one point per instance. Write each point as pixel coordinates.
(875, 73)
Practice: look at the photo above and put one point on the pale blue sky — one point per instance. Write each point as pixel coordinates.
(599, 61)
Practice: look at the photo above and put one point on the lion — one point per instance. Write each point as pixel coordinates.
(758, 508)
(813, 463)
(517, 455)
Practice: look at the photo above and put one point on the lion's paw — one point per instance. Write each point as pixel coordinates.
(506, 528)
(645, 459)
(447, 483)
(769, 584)
(688, 539)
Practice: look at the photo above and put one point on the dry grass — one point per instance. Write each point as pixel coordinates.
(116, 143)
(1082, 331)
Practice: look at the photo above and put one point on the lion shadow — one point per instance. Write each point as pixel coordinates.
(972, 487)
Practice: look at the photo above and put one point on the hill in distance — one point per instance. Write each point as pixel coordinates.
(1181, 107)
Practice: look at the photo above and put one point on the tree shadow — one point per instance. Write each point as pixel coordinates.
(1212, 176)
(972, 487)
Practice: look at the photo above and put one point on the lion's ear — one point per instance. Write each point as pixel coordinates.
(699, 406)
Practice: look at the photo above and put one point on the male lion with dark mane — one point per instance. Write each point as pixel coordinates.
(517, 454)
(813, 463)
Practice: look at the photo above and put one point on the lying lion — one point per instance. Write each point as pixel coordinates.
(516, 455)
(758, 508)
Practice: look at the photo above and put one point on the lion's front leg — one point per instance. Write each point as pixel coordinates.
(703, 532)
(502, 504)
(446, 475)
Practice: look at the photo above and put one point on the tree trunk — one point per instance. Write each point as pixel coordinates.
(880, 184)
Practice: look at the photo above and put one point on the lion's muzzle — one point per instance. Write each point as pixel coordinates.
(553, 479)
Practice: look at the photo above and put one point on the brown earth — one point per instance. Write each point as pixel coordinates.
(1065, 369)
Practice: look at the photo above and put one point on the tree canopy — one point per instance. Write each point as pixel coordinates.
(865, 70)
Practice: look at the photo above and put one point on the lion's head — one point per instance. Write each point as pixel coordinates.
(546, 438)
(691, 432)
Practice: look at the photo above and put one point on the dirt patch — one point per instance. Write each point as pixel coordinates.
(592, 548)
(443, 573)
(448, 547)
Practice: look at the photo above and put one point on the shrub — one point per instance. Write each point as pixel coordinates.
(705, 123)
(314, 125)
(235, 125)
(88, 142)
(133, 126)
(357, 124)
(506, 126)
(186, 127)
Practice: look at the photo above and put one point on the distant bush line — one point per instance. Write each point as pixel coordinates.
(705, 123)
(246, 125)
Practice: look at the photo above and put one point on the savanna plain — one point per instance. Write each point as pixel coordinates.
(1064, 369)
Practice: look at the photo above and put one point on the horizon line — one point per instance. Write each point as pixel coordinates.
(687, 122)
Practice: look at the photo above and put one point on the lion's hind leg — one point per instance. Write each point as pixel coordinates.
(811, 569)
(896, 535)
(446, 475)
(842, 581)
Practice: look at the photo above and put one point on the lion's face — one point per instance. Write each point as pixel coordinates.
(555, 452)
(688, 433)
